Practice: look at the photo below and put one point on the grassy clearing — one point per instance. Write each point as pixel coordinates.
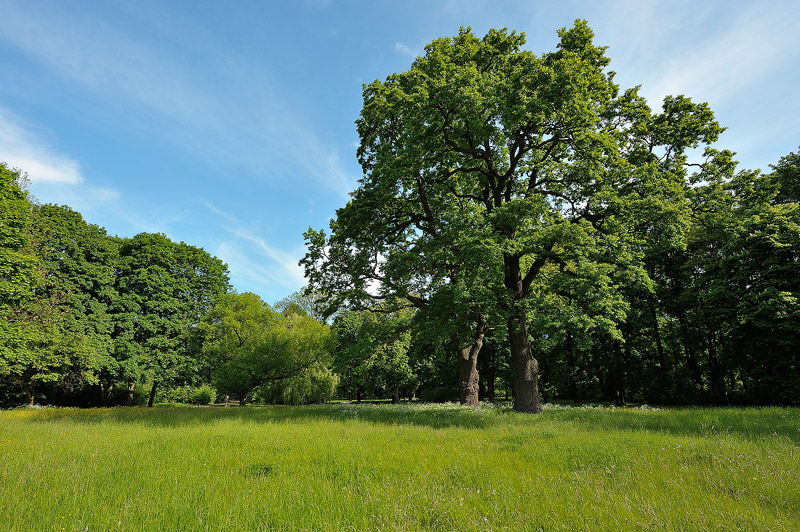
(384, 467)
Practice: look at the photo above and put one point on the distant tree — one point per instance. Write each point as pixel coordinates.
(303, 302)
(35, 347)
(756, 288)
(315, 384)
(253, 345)
(372, 352)
(19, 272)
(165, 289)
(786, 174)
(79, 264)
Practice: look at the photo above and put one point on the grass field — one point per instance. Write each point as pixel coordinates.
(385, 467)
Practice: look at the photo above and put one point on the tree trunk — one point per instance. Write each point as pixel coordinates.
(691, 358)
(490, 371)
(468, 378)
(620, 396)
(662, 361)
(574, 371)
(243, 400)
(129, 399)
(152, 395)
(105, 392)
(717, 372)
(396, 394)
(524, 366)
(30, 393)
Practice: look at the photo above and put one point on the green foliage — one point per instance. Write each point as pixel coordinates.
(316, 384)
(164, 289)
(35, 347)
(191, 395)
(786, 174)
(251, 345)
(486, 167)
(372, 352)
(19, 273)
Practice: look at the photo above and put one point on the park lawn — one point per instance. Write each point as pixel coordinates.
(399, 467)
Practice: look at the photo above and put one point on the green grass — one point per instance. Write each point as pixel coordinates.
(385, 467)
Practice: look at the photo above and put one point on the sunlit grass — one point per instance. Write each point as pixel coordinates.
(385, 467)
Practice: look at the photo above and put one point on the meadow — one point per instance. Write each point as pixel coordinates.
(399, 467)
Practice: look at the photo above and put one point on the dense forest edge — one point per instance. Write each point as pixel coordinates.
(524, 230)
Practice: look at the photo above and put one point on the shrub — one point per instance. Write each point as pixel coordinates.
(192, 395)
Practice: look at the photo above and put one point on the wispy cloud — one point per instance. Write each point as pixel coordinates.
(403, 49)
(751, 47)
(252, 259)
(22, 148)
(55, 177)
(229, 112)
(288, 262)
(710, 51)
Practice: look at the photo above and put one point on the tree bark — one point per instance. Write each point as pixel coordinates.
(396, 394)
(525, 367)
(30, 393)
(152, 395)
(468, 378)
(490, 371)
(129, 399)
(105, 392)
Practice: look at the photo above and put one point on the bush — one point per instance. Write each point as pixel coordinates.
(439, 394)
(316, 384)
(191, 395)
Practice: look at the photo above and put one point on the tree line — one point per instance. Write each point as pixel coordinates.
(87, 318)
(524, 229)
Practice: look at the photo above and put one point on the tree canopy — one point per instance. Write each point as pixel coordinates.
(484, 163)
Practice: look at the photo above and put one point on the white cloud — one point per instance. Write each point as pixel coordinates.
(288, 262)
(54, 177)
(244, 270)
(710, 51)
(731, 59)
(21, 148)
(250, 257)
(230, 112)
(403, 49)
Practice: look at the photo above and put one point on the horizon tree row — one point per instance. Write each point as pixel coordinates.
(86, 318)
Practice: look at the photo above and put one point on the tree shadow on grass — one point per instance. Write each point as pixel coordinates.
(433, 416)
(751, 423)
(747, 423)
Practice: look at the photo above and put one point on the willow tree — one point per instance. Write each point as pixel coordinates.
(483, 163)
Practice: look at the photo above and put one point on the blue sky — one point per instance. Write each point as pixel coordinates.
(230, 125)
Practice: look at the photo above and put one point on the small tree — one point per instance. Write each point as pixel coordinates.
(250, 344)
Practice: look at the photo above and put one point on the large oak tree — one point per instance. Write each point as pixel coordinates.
(484, 163)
